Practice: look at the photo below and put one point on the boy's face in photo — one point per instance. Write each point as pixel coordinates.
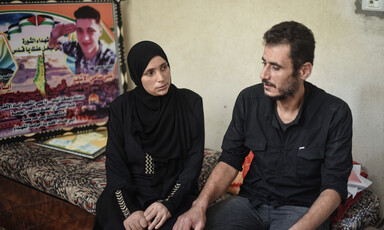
(88, 33)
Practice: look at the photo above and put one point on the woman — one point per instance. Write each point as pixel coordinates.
(155, 148)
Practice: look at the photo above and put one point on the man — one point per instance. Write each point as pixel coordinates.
(301, 138)
(91, 57)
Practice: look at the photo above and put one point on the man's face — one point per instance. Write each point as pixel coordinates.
(156, 78)
(277, 74)
(88, 34)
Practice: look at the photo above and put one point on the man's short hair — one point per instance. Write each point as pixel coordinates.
(87, 12)
(298, 36)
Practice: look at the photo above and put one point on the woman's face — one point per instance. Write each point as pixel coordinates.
(156, 78)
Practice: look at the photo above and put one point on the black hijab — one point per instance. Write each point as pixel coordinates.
(159, 123)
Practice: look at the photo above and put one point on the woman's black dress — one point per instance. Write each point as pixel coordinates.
(138, 175)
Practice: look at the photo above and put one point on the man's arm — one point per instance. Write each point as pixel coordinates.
(321, 209)
(219, 180)
(335, 170)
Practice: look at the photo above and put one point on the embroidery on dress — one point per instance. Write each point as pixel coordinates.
(122, 205)
(149, 165)
(174, 190)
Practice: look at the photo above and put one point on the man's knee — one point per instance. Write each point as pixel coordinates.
(233, 213)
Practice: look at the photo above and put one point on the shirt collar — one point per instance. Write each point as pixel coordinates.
(270, 113)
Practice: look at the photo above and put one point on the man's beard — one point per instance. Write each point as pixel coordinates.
(286, 91)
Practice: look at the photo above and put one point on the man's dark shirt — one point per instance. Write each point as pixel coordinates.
(295, 166)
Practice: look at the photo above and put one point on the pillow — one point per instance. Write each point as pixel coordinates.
(234, 188)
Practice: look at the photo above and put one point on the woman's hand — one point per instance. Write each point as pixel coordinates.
(156, 214)
(136, 221)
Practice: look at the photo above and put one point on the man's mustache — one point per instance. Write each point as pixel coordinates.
(266, 82)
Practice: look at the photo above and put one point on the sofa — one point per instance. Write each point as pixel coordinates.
(79, 181)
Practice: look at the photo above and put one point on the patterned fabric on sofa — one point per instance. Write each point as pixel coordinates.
(75, 179)
(363, 213)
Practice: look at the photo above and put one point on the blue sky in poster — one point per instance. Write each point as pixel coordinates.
(9, 19)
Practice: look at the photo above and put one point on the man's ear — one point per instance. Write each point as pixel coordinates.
(305, 70)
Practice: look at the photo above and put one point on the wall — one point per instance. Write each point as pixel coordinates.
(215, 46)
